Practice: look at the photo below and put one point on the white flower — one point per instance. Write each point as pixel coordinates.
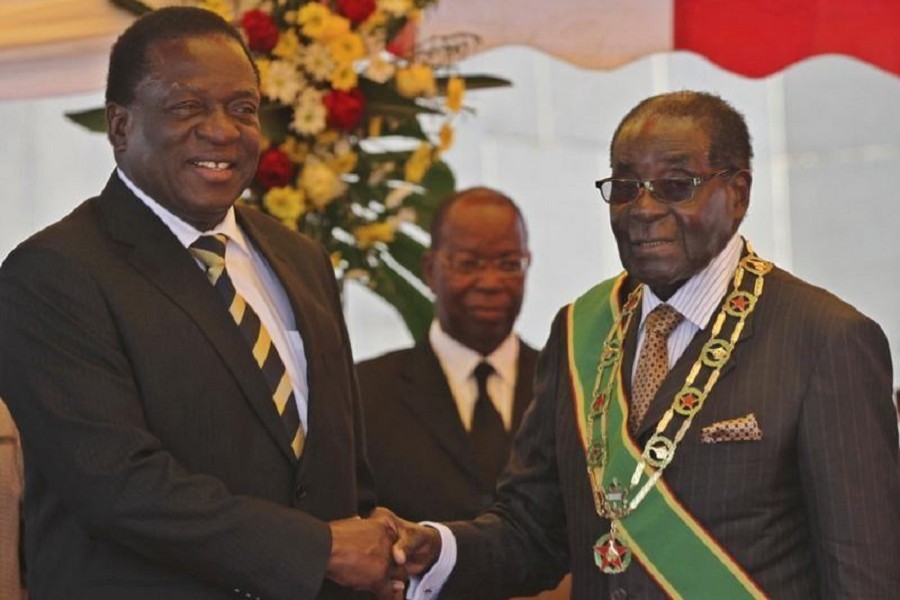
(379, 70)
(318, 62)
(283, 82)
(309, 113)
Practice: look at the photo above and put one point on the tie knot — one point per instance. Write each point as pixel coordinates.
(662, 320)
(482, 371)
(210, 251)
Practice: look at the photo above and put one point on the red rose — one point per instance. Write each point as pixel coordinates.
(356, 10)
(404, 42)
(261, 31)
(345, 109)
(275, 169)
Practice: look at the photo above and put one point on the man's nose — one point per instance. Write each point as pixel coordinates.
(219, 126)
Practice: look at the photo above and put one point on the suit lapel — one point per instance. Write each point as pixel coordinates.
(427, 395)
(309, 316)
(676, 377)
(524, 384)
(156, 253)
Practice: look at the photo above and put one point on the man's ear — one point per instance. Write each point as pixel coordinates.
(740, 185)
(118, 119)
(427, 268)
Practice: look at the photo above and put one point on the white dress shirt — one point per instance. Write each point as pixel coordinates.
(458, 361)
(697, 299)
(255, 281)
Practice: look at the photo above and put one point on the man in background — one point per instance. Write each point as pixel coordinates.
(466, 387)
(178, 367)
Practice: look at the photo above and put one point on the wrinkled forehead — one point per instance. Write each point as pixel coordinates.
(672, 140)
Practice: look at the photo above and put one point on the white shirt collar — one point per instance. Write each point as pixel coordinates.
(700, 295)
(186, 233)
(460, 360)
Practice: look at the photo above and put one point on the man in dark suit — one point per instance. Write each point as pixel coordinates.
(170, 452)
(476, 268)
(705, 425)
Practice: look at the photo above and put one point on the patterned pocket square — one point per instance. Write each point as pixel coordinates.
(742, 429)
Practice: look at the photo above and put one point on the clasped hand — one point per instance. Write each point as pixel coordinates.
(380, 553)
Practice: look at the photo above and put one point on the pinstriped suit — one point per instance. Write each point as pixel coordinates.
(810, 511)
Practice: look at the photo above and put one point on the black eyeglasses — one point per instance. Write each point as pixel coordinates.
(513, 265)
(669, 189)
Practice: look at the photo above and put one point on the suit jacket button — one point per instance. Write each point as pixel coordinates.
(618, 594)
(300, 492)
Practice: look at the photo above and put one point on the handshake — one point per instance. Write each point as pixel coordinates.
(380, 553)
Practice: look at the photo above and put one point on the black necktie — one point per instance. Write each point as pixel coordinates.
(490, 439)
(210, 250)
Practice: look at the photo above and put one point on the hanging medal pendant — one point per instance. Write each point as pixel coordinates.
(610, 554)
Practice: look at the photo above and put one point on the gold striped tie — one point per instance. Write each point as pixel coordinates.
(210, 250)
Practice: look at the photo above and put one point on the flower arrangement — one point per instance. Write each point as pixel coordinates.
(355, 118)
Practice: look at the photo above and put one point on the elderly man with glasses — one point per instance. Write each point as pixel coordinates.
(705, 425)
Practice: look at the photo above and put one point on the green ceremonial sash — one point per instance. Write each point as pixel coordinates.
(675, 549)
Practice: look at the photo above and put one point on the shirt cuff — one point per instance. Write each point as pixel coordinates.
(428, 585)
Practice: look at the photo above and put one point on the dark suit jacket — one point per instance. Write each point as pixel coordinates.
(156, 465)
(810, 511)
(420, 452)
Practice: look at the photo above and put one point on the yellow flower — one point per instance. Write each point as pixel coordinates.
(446, 137)
(456, 89)
(344, 77)
(415, 80)
(336, 258)
(377, 19)
(347, 47)
(366, 235)
(375, 124)
(398, 8)
(328, 137)
(343, 162)
(312, 19)
(322, 185)
(334, 26)
(285, 204)
(262, 65)
(288, 46)
(418, 163)
(295, 149)
(223, 8)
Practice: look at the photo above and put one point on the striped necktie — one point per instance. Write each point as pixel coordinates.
(210, 251)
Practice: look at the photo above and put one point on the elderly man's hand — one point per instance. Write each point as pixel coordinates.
(417, 548)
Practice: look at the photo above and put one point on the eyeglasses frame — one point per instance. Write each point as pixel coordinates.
(647, 184)
(482, 264)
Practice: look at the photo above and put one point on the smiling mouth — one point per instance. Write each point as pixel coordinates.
(212, 164)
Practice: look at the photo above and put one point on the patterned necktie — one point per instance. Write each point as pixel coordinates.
(490, 439)
(210, 250)
(653, 363)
